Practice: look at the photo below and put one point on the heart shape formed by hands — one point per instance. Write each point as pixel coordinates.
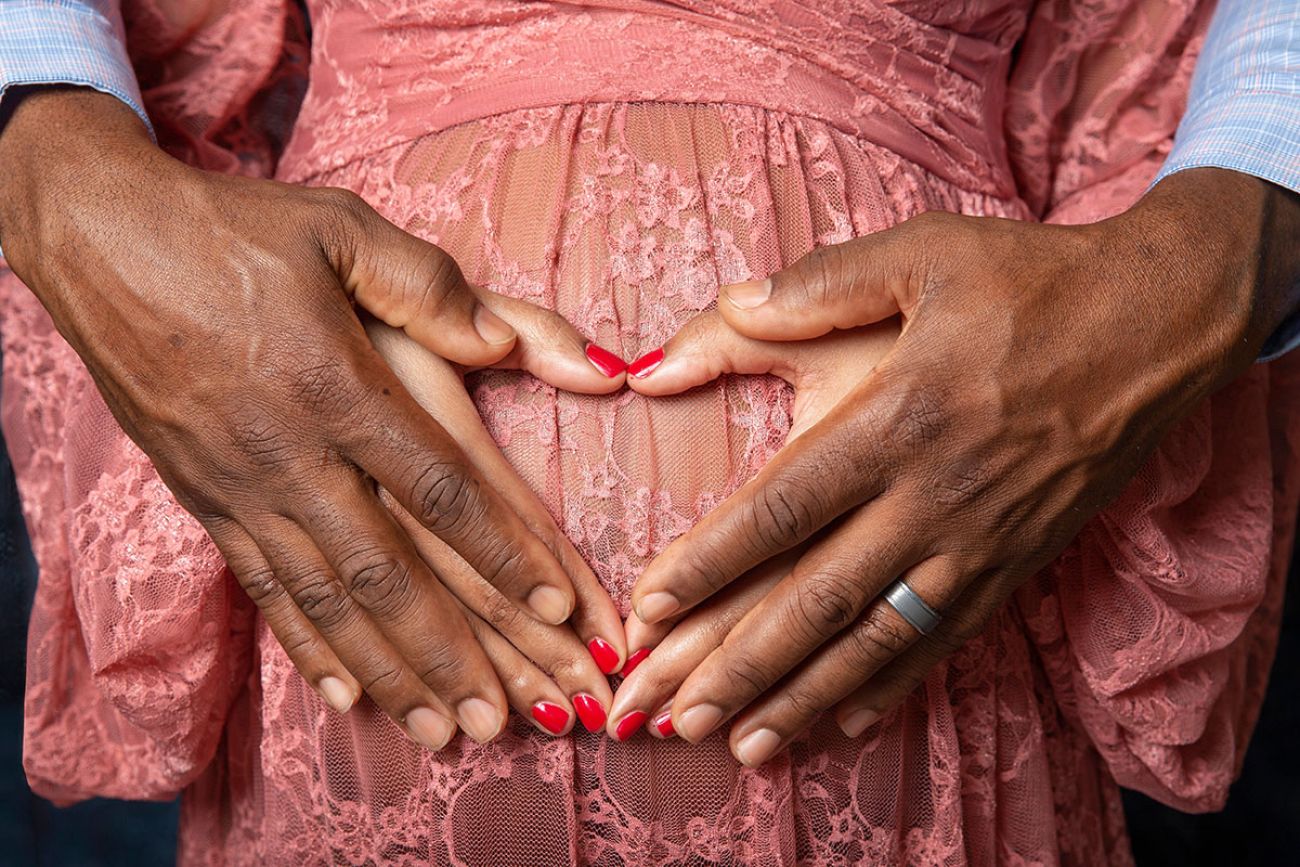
(543, 668)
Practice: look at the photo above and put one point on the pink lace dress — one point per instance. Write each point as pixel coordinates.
(618, 160)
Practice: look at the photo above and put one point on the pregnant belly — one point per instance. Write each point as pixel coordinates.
(626, 218)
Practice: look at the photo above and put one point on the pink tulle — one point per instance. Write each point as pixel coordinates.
(617, 161)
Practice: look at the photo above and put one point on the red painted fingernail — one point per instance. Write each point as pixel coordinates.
(590, 711)
(628, 725)
(664, 724)
(604, 654)
(605, 361)
(634, 660)
(552, 717)
(646, 364)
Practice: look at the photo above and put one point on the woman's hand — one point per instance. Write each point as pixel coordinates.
(546, 669)
(216, 316)
(1038, 367)
(823, 372)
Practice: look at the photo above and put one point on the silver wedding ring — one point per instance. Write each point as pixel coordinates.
(911, 607)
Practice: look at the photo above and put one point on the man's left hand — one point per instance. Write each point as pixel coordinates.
(1037, 368)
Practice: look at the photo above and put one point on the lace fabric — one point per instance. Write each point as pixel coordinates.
(1138, 658)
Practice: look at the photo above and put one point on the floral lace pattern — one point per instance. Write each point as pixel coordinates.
(1139, 657)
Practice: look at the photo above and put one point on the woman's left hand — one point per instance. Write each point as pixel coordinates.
(1038, 367)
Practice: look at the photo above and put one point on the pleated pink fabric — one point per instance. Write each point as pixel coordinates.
(618, 160)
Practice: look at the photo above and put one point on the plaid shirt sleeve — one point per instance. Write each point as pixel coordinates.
(67, 42)
(1243, 112)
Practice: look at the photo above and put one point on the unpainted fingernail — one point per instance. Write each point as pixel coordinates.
(551, 716)
(646, 364)
(757, 747)
(551, 605)
(605, 361)
(479, 719)
(337, 694)
(749, 294)
(590, 711)
(663, 724)
(653, 607)
(605, 655)
(696, 722)
(634, 660)
(430, 728)
(859, 721)
(628, 725)
(491, 327)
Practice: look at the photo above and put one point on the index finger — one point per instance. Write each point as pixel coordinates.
(812, 481)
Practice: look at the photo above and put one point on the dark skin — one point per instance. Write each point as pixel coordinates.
(1037, 368)
(218, 317)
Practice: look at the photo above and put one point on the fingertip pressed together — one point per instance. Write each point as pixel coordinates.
(605, 361)
(337, 694)
(646, 364)
(605, 655)
(590, 711)
(550, 604)
(629, 724)
(663, 724)
(634, 660)
(550, 716)
(430, 728)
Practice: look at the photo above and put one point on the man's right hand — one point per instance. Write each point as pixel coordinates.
(216, 316)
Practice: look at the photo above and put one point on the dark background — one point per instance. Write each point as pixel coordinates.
(1261, 825)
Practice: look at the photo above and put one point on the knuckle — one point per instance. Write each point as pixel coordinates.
(445, 497)
(344, 206)
(825, 603)
(804, 704)
(261, 586)
(566, 669)
(518, 683)
(381, 679)
(321, 599)
(501, 613)
(379, 582)
(704, 569)
(921, 419)
(750, 673)
(299, 645)
(964, 485)
(877, 637)
(264, 440)
(783, 513)
(322, 385)
(442, 666)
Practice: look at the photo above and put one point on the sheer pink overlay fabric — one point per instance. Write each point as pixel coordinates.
(618, 161)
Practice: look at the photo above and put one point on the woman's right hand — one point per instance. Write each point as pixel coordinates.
(547, 671)
(216, 316)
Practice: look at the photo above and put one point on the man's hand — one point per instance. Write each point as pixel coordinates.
(215, 314)
(1037, 368)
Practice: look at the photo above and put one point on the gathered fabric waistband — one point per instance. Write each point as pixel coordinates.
(377, 83)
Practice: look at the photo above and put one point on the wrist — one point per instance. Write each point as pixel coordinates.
(1217, 256)
(60, 145)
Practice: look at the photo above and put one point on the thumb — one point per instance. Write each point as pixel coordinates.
(702, 350)
(410, 284)
(858, 282)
